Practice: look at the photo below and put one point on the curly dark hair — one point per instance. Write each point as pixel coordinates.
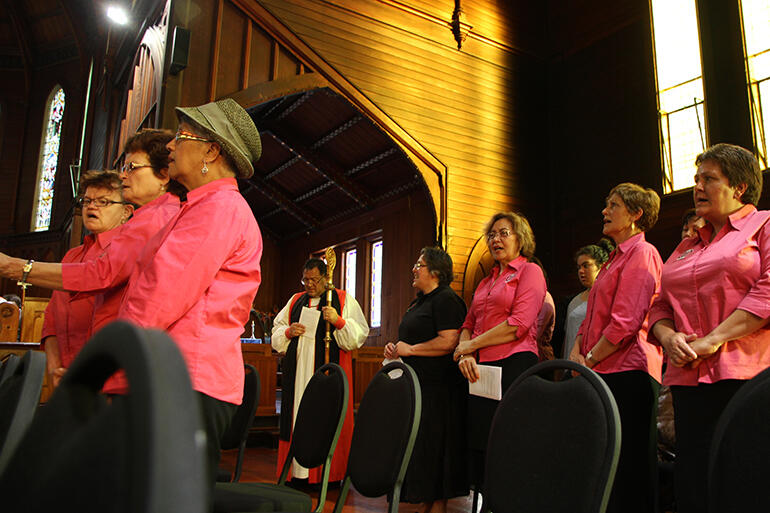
(439, 264)
(600, 251)
(739, 166)
(153, 141)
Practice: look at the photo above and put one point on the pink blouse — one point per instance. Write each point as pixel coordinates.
(196, 279)
(114, 265)
(704, 282)
(617, 308)
(515, 296)
(68, 315)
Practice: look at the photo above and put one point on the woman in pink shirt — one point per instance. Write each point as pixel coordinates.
(196, 278)
(713, 308)
(613, 341)
(67, 321)
(500, 327)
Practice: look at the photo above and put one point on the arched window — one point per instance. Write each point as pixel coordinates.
(49, 160)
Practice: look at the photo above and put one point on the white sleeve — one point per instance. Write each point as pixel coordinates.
(281, 322)
(356, 329)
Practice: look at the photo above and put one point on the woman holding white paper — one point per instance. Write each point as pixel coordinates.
(499, 329)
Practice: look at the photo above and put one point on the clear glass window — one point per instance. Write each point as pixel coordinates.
(756, 33)
(376, 299)
(680, 89)
(350, 272)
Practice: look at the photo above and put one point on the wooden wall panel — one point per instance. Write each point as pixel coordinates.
(260, 56)
(460, 105)
(231, 50)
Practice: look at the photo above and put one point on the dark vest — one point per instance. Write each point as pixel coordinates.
(289, 361)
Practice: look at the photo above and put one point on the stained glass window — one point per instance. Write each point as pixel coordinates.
(49, 159)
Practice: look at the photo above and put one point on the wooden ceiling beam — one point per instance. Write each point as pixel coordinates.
(282, 200)
(320, 164)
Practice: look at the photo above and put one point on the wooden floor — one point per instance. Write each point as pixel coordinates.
(259, 466)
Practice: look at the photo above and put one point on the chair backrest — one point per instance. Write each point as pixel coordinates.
(142, 452)
(740, 450)
(553, 445)
(236, 435)
(20, 385)
(383, 438)
(317, 427)
(8, 366)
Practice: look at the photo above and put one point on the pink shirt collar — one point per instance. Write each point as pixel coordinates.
(736, 221)
(217, 185)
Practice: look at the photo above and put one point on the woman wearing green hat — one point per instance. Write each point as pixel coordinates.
(197, 278)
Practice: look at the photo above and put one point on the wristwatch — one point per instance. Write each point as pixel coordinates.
(590, 358)
(25, 271)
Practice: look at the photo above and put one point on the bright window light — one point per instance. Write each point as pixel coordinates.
(756, 19)
(680, 90)
(376, 299)
(350, 272)
(117, 14)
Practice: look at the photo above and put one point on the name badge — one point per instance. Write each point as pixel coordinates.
(510, 277)
(684, 255)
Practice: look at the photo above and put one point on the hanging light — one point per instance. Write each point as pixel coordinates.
(117, 14)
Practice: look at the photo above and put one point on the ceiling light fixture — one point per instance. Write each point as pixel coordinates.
(117, 14)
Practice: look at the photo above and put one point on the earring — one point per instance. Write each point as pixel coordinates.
(205, 168)
(162, 187)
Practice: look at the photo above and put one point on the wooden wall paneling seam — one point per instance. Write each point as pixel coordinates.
(215, 51)
(246, 55)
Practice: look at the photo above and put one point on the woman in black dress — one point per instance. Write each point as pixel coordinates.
(427, 335)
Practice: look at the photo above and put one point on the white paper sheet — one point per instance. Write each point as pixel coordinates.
(489, 383)
(308, 317)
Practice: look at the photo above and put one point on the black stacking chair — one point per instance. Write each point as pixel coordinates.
(20, 385)
(740, 451)
(8, 366)
(383, 438)
(317, 428)
(532, 463)
(142, 452)
(236, 435)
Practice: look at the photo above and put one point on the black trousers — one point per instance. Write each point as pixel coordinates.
(636, 480)
(216, 419)
(696, 412)
(481, 411)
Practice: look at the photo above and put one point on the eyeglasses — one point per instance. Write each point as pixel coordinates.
(131, 167)
(417, 266)
(504, 234)
(309, 281)
(182, 135)
(98, 202)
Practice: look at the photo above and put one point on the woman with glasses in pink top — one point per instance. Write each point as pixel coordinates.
(101, 278)
(713, 308)
(197, 277)
(500, 327)
(612, 340)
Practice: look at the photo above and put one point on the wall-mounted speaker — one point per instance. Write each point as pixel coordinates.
(180, 50)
